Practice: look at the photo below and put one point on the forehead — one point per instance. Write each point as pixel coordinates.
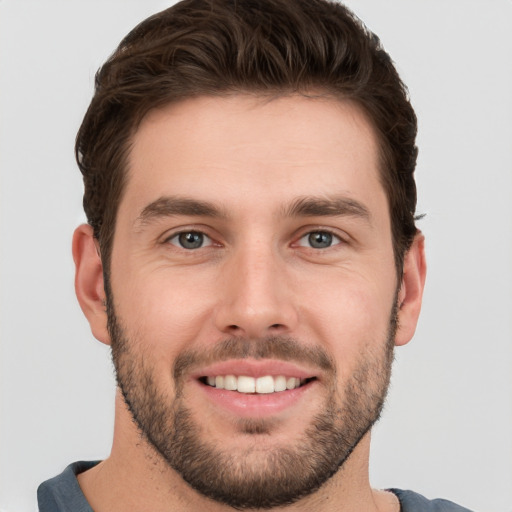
(236, 148)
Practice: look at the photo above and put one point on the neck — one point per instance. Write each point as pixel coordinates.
(135, 477)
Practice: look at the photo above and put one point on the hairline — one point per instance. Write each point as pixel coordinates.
(265, 95)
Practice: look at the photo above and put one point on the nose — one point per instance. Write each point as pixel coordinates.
(256, 298)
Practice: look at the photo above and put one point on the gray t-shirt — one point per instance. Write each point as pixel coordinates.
(63, 494)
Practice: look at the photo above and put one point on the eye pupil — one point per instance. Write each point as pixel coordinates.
(191, 240)
(320, 239)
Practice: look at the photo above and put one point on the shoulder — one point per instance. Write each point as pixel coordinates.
(62, 492)
(413, 502)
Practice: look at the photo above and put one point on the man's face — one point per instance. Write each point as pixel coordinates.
(253, 250)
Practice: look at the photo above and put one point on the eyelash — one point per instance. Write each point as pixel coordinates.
(188, 232)
(333, 238)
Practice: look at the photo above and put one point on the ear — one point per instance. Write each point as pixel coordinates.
(411, 290)
(89, 281)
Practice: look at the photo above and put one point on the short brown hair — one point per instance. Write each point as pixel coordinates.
(221, 47)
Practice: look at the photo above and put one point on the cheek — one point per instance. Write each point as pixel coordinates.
(166, 310)
(350, 317)
(159, 323)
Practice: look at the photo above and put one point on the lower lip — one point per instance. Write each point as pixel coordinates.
(249, 405)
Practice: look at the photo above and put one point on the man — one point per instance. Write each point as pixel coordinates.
(251, 257)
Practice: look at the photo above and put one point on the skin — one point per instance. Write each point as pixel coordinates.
(250, 158)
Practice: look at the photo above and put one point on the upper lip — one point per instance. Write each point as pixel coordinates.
(254, 368)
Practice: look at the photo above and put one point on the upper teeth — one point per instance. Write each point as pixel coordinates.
(245, 384)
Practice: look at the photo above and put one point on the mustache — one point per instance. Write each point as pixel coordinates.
(270, 347)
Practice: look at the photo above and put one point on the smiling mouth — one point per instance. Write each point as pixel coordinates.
(255, 385)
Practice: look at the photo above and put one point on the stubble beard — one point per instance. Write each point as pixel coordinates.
(253, 478)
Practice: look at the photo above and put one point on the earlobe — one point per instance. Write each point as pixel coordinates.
(411, 291)
(89, 286)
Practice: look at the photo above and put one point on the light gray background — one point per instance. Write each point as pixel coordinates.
(447, 428)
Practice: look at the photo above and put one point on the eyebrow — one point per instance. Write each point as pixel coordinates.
(308, 206)
(169, 206)
(311, 206)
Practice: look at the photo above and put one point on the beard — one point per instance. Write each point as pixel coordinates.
(256, 476)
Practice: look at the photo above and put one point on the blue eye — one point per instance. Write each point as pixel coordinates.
(190, 240)
(319, 240)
